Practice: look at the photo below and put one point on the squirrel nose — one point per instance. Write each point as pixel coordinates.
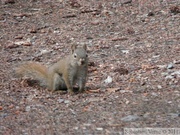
(82, 61)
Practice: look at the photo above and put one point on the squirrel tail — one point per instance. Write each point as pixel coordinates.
(35, 71)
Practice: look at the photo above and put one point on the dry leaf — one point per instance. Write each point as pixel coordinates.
(93, 91)
(25, 43)
(11, 106)
(132, 80)
(145, 94)
(17, 112)
(147, 66)
(119, 38)
(86, 108)
(127, 88)
(113, 89)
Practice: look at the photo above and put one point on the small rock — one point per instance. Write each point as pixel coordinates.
(159, 87)
(28, 108)
(108, 80)
(87, 124)
(56, 31)
(169, 77)
(95, 22)
(130, 118)
(73, 112)
(125, 91)
(99, 129)
(156, 56)
(161, 66)
(66, 101)
(107, 12)
(169, 102)
(44, 51)
(154, 94)
(170, 66)
(60, 100)
(76, 128)
(125, 51)
(127, 102)
(164, 73)
(3, 115)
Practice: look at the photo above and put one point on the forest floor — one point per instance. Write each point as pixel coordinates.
(133, 71)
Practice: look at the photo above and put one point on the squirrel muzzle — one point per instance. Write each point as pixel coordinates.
(81, 62)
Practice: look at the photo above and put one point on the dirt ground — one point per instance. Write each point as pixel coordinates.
(133, 71)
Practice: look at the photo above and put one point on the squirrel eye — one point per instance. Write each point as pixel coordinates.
(75, 55)
(86, 55)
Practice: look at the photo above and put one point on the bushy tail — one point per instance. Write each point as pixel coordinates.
(34, 71)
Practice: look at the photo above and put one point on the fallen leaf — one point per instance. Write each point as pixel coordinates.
(127, 88)
(22, 14)
(92, 69)
(11, 46)
(145, 94)
(25, 43)
(132, 80)
(119, 39)
(113, 89)
(147, 66)
(69, 16)
(17, 112)
(74, 3)
(93, 91)
(86, 108)
(11, 106)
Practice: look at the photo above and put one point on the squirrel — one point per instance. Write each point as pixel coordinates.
(62, 75)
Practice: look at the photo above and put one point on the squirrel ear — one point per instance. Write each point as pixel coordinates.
(73, 47)
(84, 46)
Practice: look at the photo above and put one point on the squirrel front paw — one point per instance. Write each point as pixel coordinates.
(70, 91)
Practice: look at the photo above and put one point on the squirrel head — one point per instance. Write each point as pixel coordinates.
(79, 54)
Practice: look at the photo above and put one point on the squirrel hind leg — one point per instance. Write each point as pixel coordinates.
(58, 83)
